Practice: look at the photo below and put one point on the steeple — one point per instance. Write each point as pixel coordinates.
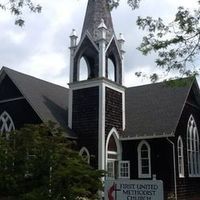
(96, 11)
(97, 102)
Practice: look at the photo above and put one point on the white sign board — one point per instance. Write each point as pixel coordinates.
(133, 190)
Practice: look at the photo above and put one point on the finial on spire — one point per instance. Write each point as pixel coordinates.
(121, 41)
(102, 30)
(102, 25)
(73, 38)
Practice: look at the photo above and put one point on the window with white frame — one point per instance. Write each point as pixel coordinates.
(112, 158)
(113, 154)
(144, 160)
(6, 124)
(124, 169)
(84, 153)
(83, 69)
(180, 157)
(111, 169)
(193, 152)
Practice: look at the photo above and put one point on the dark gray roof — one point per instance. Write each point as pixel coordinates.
(97, 10)
(154, 110)
(49, 101)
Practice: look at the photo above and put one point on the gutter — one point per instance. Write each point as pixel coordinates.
(174, 163)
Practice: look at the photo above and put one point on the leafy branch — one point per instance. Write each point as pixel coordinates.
(177, 44)
(16, 8)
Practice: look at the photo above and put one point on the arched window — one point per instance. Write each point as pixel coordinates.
(113, 154)
(144, 160)
(193, 148)
(83, 69)
(180, 157)
(111, 70)
(85, 154)
(6, 124)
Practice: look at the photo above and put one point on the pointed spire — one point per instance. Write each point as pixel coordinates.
(96, 11)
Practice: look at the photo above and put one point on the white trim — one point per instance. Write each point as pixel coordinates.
(102, 58)
(140, 174)
(71, 78)
(96, 82)
(101, 134)
(109, 43)
(146, 137)
(128, 172)
(116, 43)
(84, 149)
(180, 157)
(112, 162)
(113, 132)
(112, 152)
(5, 117)
(12, 99)
(86, 34)
(193, 151)
(174, 166)
(123, 111)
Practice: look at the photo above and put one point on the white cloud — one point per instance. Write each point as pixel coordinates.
(41, 47)
(17, 38)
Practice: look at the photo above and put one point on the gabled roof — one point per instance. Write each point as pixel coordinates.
(48, 100)
(154, 110)
(97, 10)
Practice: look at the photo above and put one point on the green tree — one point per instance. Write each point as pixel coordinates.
(38, 163)
(177, 44)
(17, 8)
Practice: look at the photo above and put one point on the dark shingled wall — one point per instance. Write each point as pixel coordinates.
(21, 113)
(85, 119)
(187, 188)
(113, 114)
(160, 166)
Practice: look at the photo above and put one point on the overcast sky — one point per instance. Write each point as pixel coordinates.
(40, 48)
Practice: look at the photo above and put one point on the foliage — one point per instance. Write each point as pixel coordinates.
(177, 44)
(16, 7)
(34, 165)
(132, 3)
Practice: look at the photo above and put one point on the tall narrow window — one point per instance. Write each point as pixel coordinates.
(113, 154)
(180, 157)
(6, 124)
(85, 154)
(111, 70)
(83, 70)
(193, 152)
(144, 160)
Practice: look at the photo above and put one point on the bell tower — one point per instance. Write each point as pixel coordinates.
(96, 104)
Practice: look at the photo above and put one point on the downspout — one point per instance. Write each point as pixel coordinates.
(174, 162)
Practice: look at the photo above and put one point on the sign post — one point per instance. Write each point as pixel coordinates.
(134, 190)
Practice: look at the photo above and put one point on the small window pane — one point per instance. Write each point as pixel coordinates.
(144, 164)
(124, 169)
(193, 148)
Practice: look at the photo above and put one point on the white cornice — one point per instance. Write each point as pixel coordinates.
(96, 82)
(147, 137)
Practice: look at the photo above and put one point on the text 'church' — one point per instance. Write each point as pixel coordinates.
(142, 132)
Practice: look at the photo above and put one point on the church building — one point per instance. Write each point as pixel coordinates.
(143, 132)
